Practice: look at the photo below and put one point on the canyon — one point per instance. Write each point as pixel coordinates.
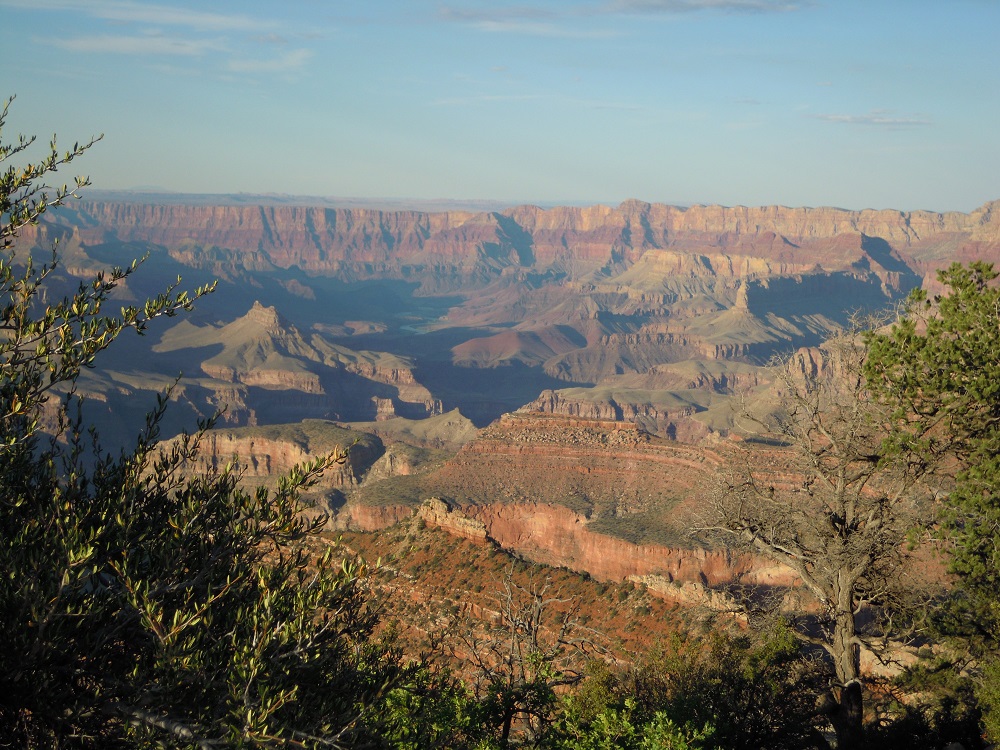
(486, 311)
(559, 380)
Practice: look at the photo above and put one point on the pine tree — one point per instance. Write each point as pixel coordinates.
(938, 368)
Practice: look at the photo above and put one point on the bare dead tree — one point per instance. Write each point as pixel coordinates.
(816, 492)
(532, 646)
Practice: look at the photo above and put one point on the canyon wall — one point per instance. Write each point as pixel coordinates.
(368, 242)
(555, 535)
(265, 453)
(677, 423)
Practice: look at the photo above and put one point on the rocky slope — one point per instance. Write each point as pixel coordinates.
(557, 536)
(619, 479)
(600, 468)
(261, 365)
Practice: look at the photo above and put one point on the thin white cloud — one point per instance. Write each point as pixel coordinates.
(123, 11)
(540, 29)
(138, 45)
(525, 19)
(513, 12)
(177, 32)
(877, 118)
(593, 104)
(533, 20)
(689, 6)
(519, 20)
(555, 100)
(293, 60)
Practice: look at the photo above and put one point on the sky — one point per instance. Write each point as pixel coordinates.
(854, 104)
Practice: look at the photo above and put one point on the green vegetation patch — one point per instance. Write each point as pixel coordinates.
(664, 400)
(641, 528)
(448, 431)
(409, 490)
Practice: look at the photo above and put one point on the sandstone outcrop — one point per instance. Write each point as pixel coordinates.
(372, 517)
(554, 488)
(688, 593)
(438, 513)
(392, 463)
(555, 535)
(302, 374)
(265, 453)
(675, 423)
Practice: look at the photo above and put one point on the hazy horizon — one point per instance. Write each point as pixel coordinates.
(155, 195)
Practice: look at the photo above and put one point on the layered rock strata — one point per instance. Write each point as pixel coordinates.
(555, 535)
(262, 454)
(603, 469)
(371, 241)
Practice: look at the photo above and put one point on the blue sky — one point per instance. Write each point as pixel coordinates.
(868, 104)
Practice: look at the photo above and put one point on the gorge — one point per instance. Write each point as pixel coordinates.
(575, 365)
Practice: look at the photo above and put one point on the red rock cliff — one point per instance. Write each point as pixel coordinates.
(370, 241)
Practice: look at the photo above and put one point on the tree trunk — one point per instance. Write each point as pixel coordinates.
(508, 721)
(847, 716)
